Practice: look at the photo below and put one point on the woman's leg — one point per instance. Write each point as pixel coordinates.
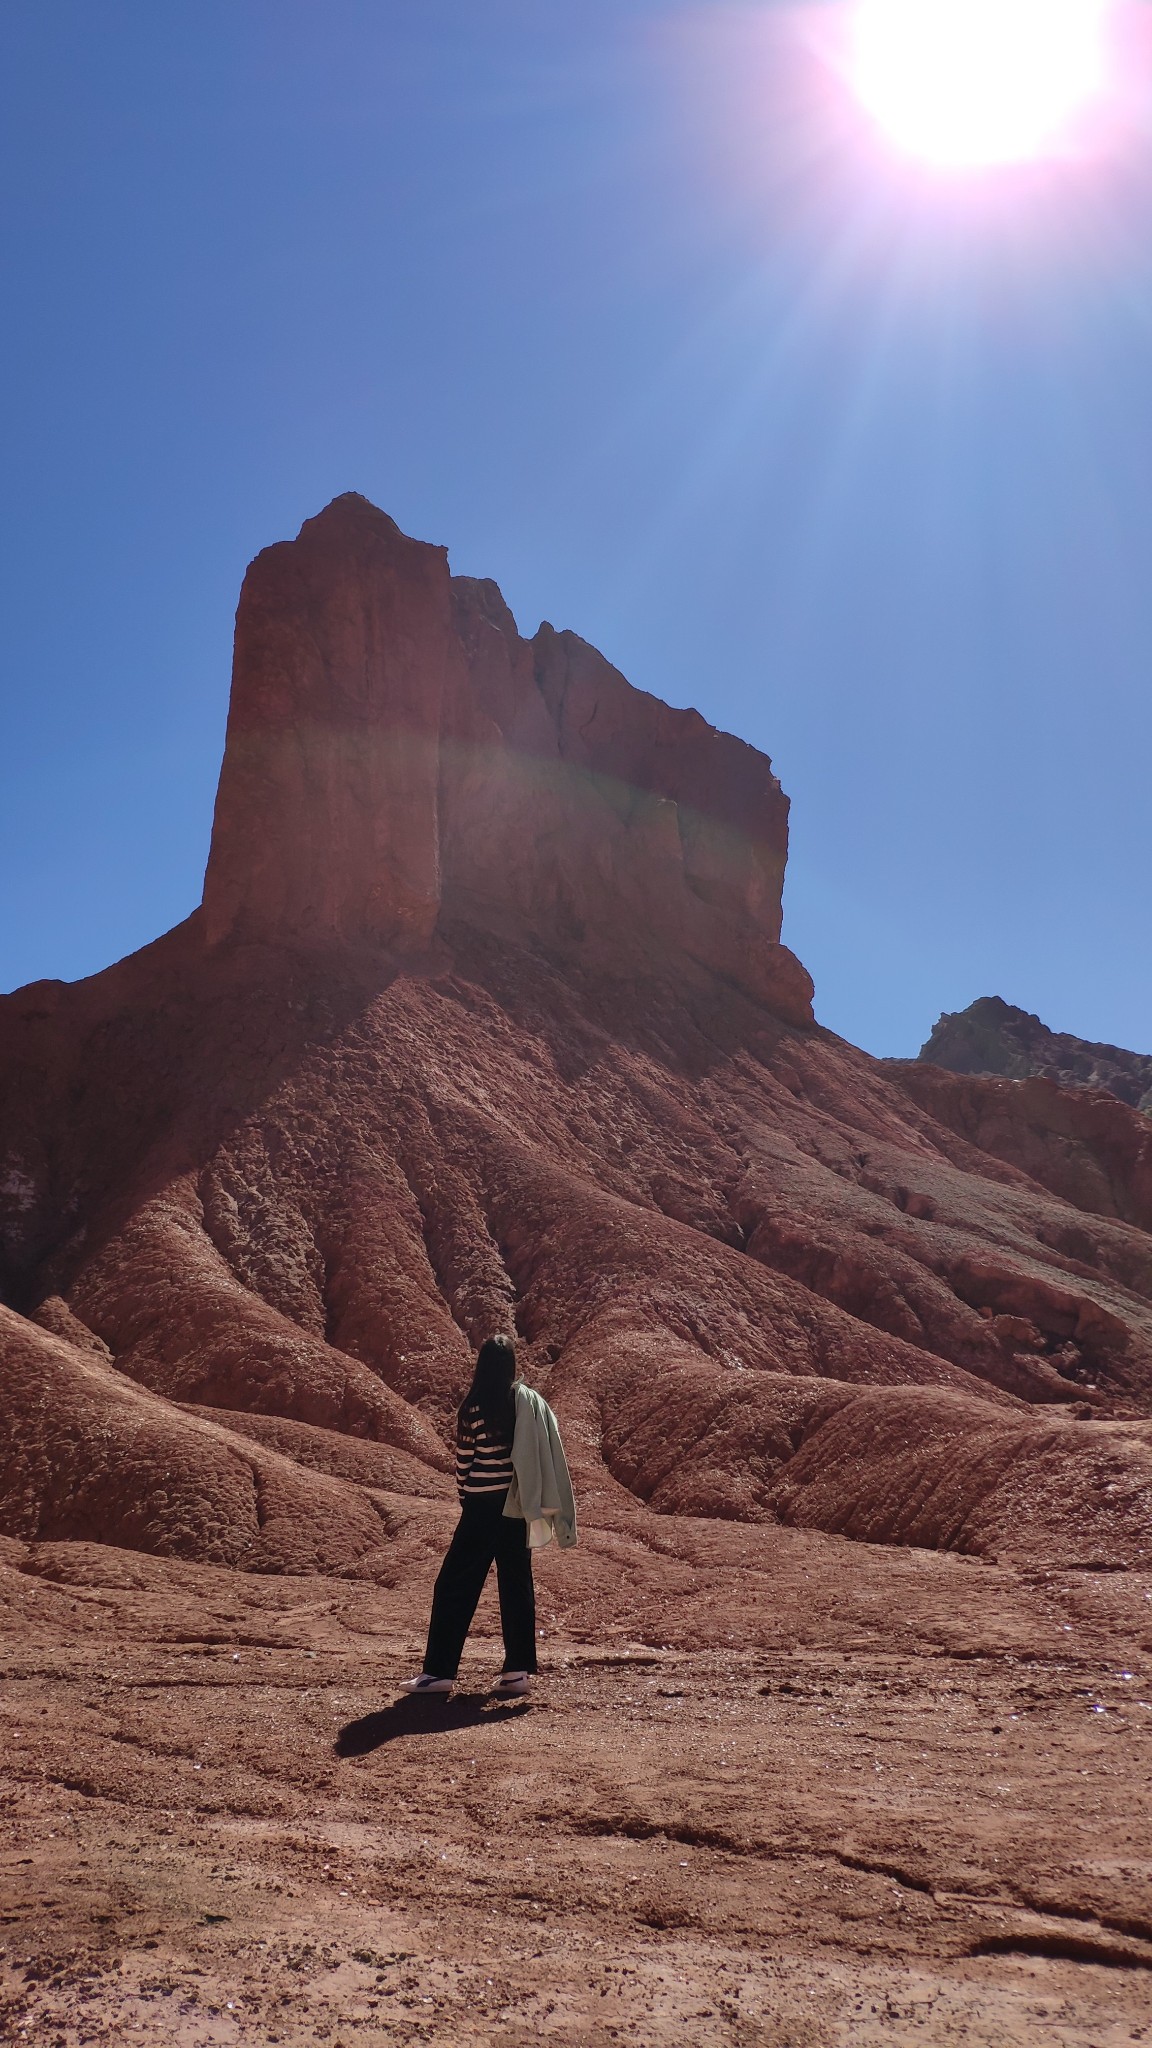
(517, 1594)
(459, 1585)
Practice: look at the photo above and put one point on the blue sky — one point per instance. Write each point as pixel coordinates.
(627, 305)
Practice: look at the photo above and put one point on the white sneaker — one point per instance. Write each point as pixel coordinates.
(511, 1684)
(426, 1683)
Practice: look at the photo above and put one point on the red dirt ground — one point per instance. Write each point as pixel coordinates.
(775, 1787)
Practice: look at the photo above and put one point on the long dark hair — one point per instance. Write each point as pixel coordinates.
(490, 1396)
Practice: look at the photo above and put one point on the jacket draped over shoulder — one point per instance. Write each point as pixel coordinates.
(541, 1490)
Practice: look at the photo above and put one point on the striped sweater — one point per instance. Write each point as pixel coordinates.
(483, 1462)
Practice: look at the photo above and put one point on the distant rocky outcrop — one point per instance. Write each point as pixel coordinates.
(994, 1037)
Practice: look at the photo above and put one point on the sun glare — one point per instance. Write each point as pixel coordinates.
(976, 82)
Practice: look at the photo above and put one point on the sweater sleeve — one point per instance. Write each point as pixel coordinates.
(465, 1453)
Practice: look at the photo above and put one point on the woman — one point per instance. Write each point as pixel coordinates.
(515, 1494)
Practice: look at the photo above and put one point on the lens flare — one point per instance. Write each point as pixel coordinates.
(977, 82)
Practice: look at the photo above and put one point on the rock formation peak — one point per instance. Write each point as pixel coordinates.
(398, 757)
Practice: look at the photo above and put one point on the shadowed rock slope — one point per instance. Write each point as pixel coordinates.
(484, 1023)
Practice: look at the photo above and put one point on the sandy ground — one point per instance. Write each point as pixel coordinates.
(773, 1791)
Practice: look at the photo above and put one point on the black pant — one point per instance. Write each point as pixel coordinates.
(484, 1536)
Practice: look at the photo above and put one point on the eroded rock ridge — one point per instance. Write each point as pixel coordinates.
(484, 1023)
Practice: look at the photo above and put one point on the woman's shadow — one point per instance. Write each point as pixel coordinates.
(429, 1714)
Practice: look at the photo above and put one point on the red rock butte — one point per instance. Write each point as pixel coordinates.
(397, 756)
(484, 1023)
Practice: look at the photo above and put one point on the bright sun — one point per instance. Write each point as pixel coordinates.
(971, 82)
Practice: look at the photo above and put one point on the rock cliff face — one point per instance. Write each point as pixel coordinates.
(484, 1024)
(398, 756)
(993, 1037)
